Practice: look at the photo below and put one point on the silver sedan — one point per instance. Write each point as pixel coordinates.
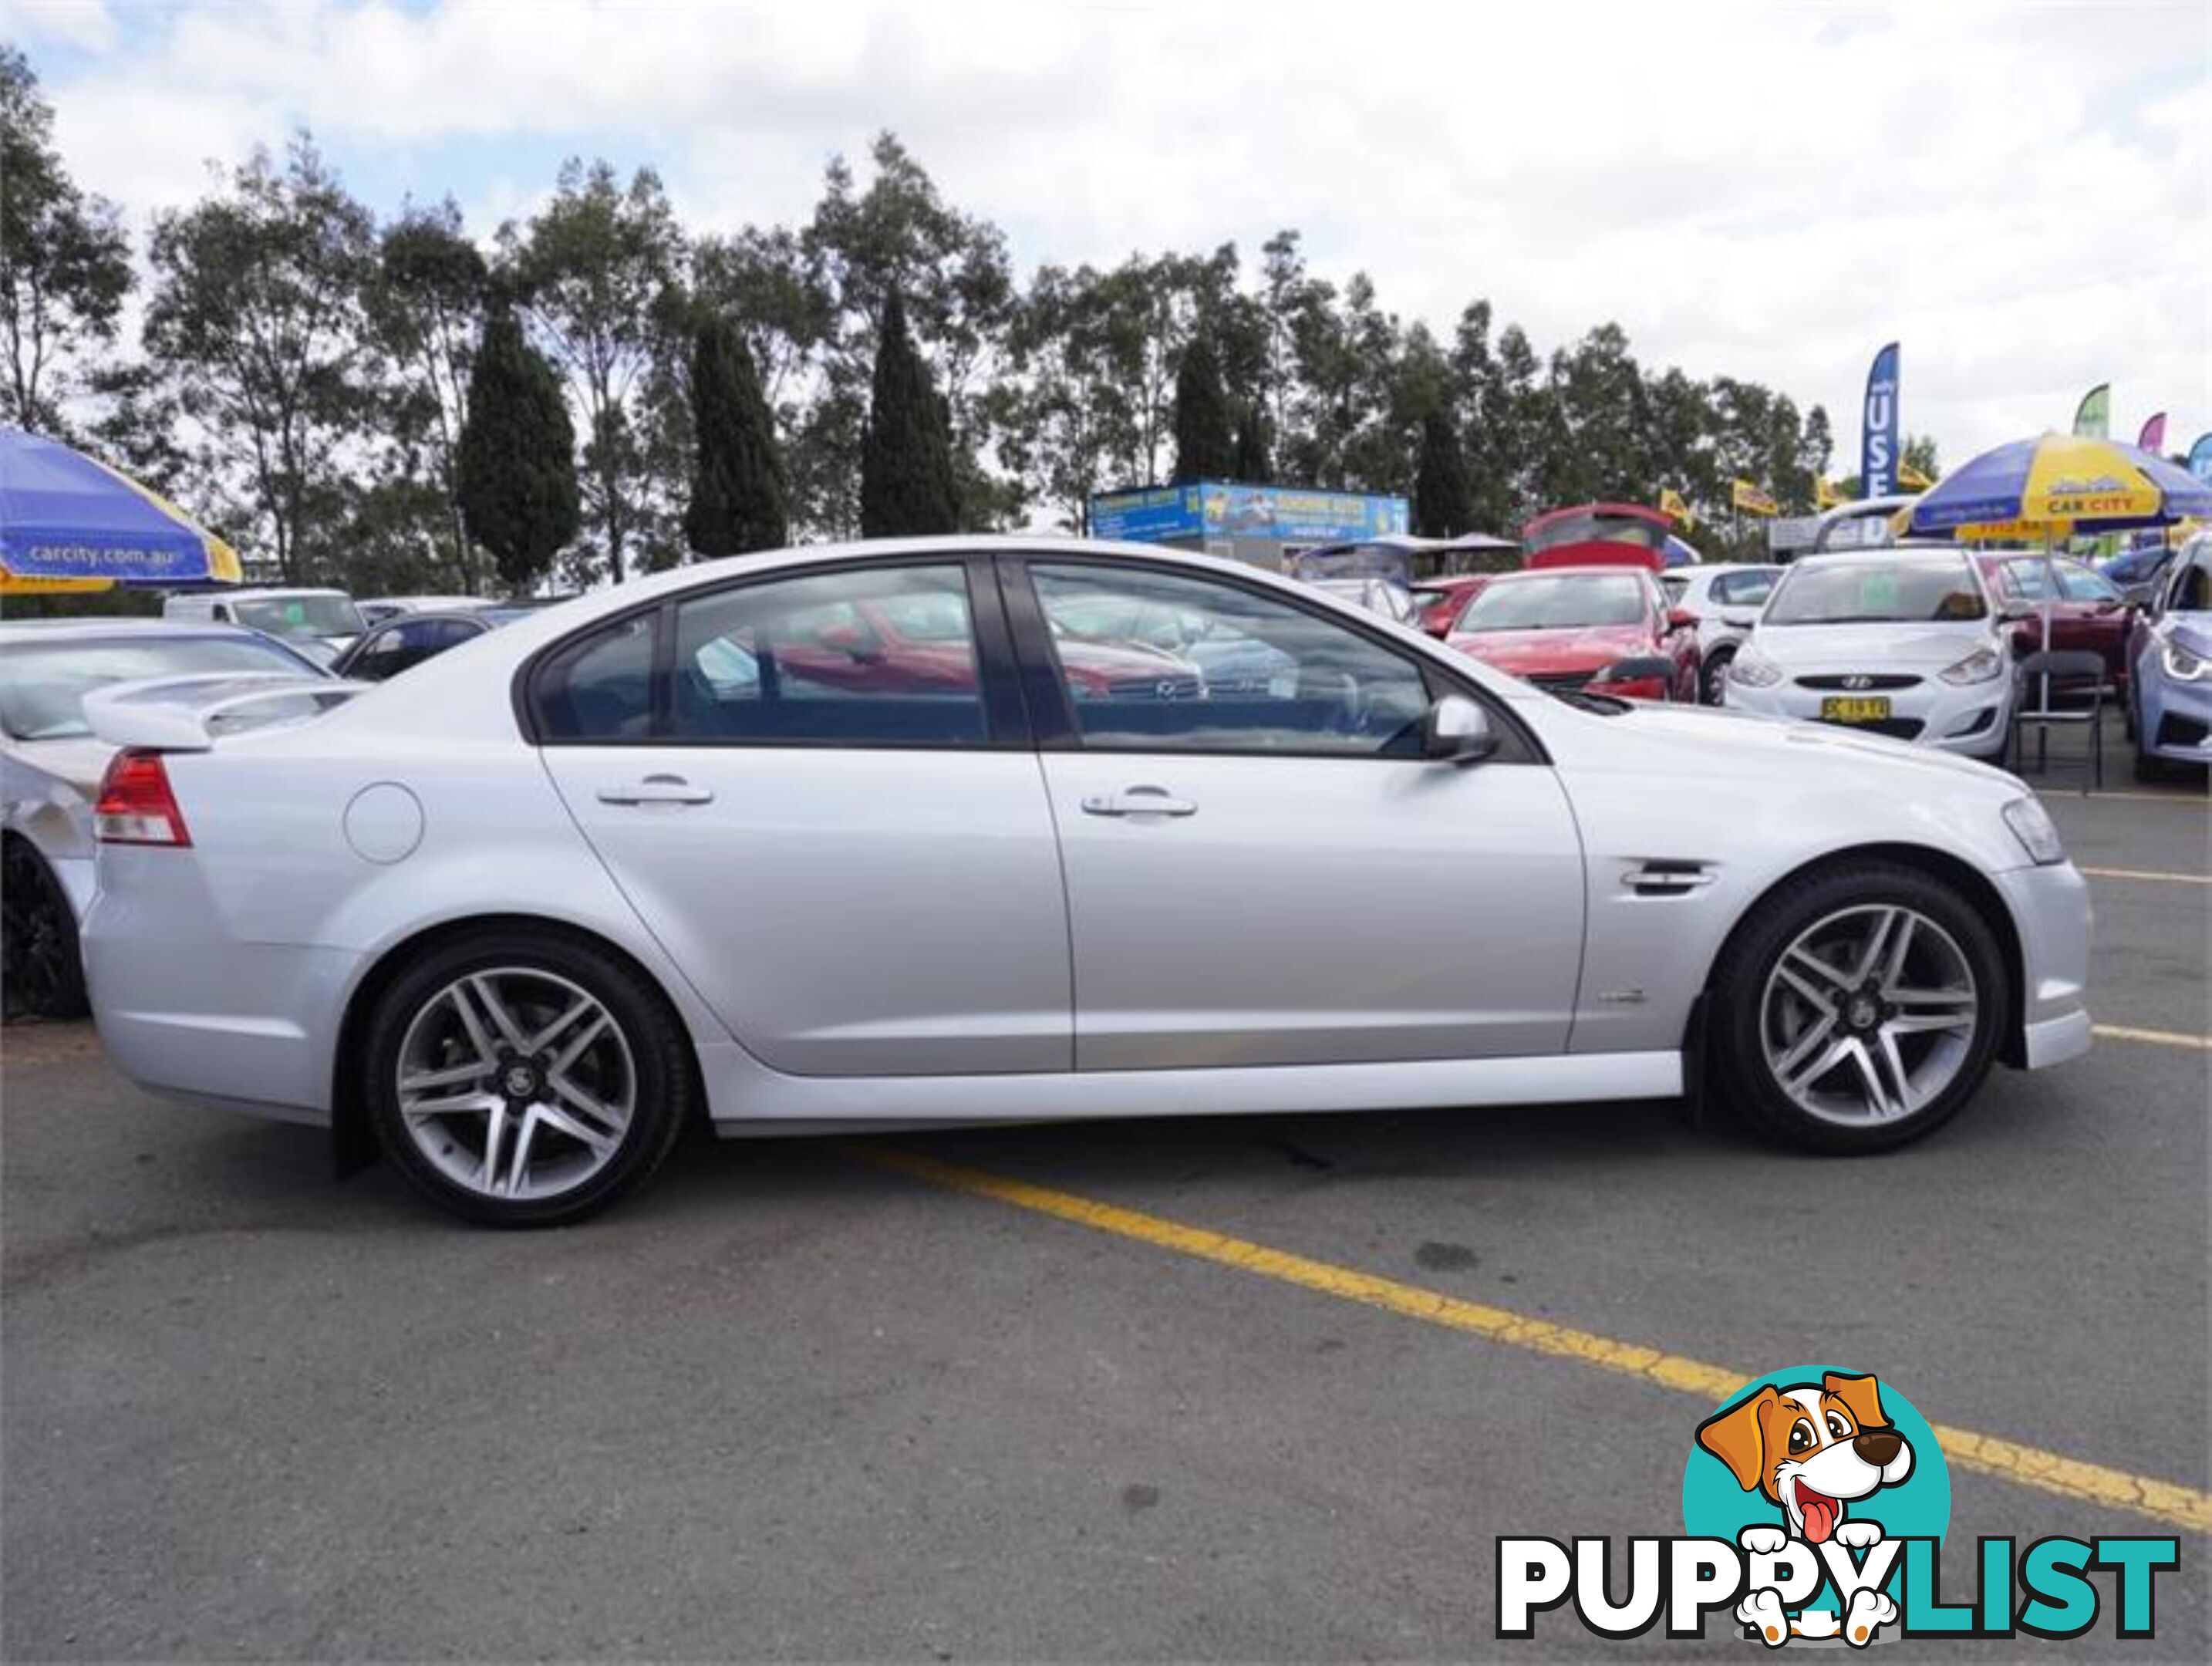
(517, 915)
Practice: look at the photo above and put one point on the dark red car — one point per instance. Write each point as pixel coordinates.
(1437, 602)
(2086, 610)
(1607, 629)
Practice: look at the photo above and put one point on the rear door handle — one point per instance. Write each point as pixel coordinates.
(658, 789)
(1138, 801)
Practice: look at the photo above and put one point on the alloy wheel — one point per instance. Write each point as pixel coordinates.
(1868, 1015)
(516, 1084)
(37, 940)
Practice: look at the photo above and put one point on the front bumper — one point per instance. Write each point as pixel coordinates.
(2175, 719)
(1969, 718)
(2051, 916)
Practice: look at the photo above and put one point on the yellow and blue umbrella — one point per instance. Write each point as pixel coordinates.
(2059, 484)
(69, 523)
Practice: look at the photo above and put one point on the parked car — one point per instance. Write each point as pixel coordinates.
(1437, 602)
(1865, 523)
(1607, 629)
(376, 610)
(1392, 601)
(2170, 655)
(51, 765)
(1903, 642)
(1231, 661)
(406, 638)
(1725, 603)
(518, 938)
(2137, 573)
(320, 623)
(2062, 604)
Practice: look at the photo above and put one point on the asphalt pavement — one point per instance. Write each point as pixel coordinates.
(792, 1403)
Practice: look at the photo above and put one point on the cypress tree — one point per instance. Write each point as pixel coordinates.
(515, 467)
(906, 484)
(1205, 449)
(739, 501)
(1250, 461)
(1443, 503)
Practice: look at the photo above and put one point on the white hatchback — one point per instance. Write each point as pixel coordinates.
(1904, 643)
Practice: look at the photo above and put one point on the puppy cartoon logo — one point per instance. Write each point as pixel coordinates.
(1812, 1448)
(1809, 1471)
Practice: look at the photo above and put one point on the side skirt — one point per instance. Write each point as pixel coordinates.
(748, 1100)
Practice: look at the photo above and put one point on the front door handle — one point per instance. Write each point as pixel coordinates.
(658, 789)
(1138, 801)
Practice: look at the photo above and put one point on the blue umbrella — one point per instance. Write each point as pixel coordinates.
(68, 522)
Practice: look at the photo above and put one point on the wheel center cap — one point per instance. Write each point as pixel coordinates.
(520, 1081)
(1861, 1013)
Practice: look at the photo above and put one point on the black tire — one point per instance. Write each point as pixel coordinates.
(1712, 677)
(41, 965)
(1740, 1075)
(659, 1052)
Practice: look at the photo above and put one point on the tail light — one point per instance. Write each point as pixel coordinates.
(136, 805)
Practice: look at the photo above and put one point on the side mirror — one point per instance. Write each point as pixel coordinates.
(1458, 731)
(1741, 619)
(849, 642)
(1681, 618)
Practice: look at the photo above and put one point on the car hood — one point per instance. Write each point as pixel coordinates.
(1706, 734)
(1929, 647)
(80, 760)
(1575, 649)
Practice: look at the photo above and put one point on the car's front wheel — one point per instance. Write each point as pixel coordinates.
(1712, 678)
(525, 1077)
(1858, 1007)
(40, 968)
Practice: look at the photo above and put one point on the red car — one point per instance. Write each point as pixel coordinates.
(1437, 602)
(919, 642)
(1607, 629)
(2086, 610)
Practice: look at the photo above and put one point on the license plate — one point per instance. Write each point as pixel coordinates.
(1855, 709)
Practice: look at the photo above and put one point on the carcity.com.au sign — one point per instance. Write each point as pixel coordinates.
(1815, 1502)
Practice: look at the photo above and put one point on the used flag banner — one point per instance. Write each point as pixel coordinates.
(2153, 437)
(1749, 498)
(1671, 503)
(1911, 478)
(2092, 418)
(2200, 458)
(1878, 440)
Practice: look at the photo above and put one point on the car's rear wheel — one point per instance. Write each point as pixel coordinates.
(1858, 1008)
(525, 1078)
(40, 968)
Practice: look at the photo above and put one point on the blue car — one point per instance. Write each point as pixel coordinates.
(2170, 655)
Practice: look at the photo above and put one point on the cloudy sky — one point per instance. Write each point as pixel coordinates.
(2020, 193)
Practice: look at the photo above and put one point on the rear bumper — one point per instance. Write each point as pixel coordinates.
(2050, 907)
(185, 1009)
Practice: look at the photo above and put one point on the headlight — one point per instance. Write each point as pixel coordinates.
(2181, 664)
(2031, 825)
(1983, 664)
(1754, 670)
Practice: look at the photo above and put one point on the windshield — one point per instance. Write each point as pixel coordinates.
(1561, 603)
(43, 685)
(1599, 528)
(299, 616)
(1907, 590)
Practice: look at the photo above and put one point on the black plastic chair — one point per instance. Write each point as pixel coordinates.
(2059, 688)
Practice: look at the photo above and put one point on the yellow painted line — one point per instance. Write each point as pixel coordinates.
(2155, 1037)
(2147, 874)
(2046, 1472)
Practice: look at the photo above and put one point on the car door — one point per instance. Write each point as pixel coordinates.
(1234, 862)
(859, 881)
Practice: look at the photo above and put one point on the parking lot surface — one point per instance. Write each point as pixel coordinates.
(799, 1401)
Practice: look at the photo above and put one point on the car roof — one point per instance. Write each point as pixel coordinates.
(1595, 570)
(83, 629)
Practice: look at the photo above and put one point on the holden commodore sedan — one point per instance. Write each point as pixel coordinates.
(518, 915)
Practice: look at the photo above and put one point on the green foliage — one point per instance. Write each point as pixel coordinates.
(907, 484)
(428, 301)
(1251, 459)
(739, 496)
(1444, 504)
(65, 260)
(1205, 446)
(515, 466)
